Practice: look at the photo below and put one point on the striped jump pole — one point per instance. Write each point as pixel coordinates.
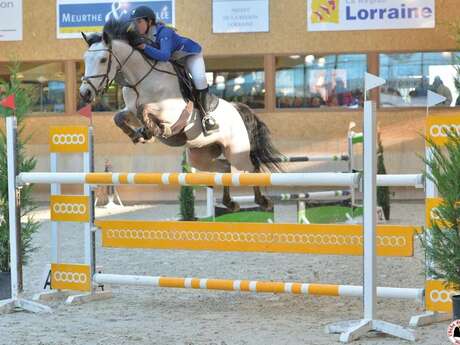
(256, 286)
(325, 158)
(326, 195)
(219, 179)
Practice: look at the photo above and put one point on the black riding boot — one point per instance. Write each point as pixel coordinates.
(208, 103)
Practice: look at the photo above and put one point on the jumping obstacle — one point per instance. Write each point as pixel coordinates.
(437, 307)
(82, 276)
(274, 238)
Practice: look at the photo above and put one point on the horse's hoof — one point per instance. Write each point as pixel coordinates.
(138, 139)
(266, 204)
(232, 206)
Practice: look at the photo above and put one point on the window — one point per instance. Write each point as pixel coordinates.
(111, 100)
(45, 84)
(239, 79)
(320, 81)
(410, 76)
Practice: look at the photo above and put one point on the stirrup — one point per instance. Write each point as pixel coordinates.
(209, 128)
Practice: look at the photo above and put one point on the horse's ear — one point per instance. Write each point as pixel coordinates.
(85, 38)
(105, 37)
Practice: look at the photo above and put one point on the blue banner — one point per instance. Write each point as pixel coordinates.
(75, 16)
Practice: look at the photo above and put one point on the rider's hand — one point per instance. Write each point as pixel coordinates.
(141, 46)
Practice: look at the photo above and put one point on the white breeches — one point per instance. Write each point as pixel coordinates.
(195, 65)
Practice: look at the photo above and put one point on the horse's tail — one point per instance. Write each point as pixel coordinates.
(263, 152)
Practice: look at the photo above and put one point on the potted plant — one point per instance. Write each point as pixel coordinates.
(25, 164)
(441, 241)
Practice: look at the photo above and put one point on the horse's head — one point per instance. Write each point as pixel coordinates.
(100, 68)
(105, 56)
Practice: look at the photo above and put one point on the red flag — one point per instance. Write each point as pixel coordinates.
(8, 102)
(86, 111)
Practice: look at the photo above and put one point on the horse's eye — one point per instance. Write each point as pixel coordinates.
(103, 60)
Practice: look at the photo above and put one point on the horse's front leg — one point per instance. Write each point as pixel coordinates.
(146, 116)
(123, 119)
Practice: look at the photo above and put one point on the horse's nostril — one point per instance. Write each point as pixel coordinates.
(85, 95)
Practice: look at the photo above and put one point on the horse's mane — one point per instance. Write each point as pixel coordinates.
(115, 29)
(120, 29)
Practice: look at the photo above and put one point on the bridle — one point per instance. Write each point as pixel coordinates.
(105, 82)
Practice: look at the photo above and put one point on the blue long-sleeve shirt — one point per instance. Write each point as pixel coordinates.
(169, 42)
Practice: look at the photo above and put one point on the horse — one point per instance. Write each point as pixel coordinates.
(154, 104)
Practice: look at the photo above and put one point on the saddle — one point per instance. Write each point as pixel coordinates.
(192, 110)
(187, 88)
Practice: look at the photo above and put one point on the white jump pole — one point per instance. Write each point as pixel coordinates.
(13, 211)
(88, 166)
(370, 211)
(352, 330)
(351, 161)
(15, 302)
(210, 203)
(55, 234)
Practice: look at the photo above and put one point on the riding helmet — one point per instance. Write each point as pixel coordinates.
(143, 12)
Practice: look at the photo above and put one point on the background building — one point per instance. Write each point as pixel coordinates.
(307, 86)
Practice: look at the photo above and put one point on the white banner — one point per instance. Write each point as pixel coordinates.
(240, 16)
(341, 15)
(10, 20)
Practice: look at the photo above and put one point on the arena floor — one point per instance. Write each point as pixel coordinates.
(192, 317)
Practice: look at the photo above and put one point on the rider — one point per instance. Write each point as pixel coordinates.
(174, 47)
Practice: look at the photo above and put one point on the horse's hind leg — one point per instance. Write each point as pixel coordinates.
(265, 203)
(243, 162)
(206, 159)
(228, 202)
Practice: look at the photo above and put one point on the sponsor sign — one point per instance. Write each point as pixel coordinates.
(76, 16)
(240, 16)
(10, 20)
(341, 15)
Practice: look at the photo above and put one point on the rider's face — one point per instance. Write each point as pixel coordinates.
(142, 25)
